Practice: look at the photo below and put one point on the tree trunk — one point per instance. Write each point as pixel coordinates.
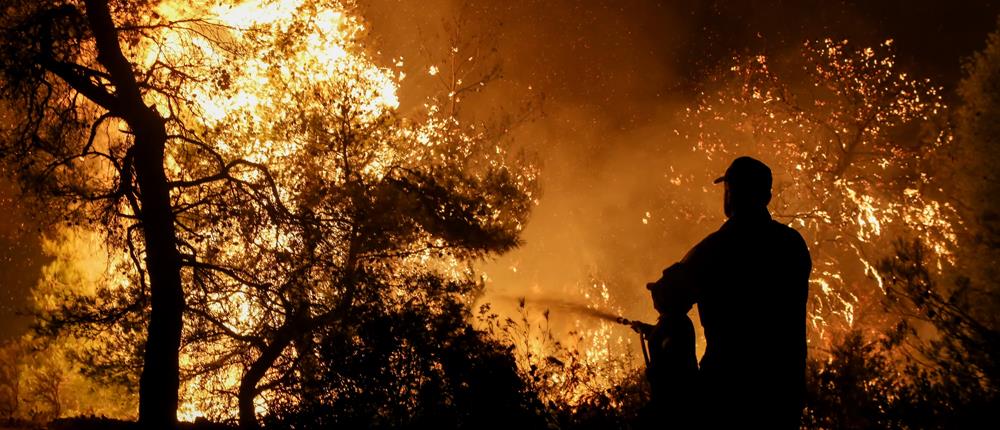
(160, 379)
(299, 323)
(248, 383)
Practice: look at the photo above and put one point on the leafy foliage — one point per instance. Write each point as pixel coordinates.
(411, 368)
(300, 201)
(965, 342)
(861, 386)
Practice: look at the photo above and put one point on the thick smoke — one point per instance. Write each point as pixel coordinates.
(614, 78)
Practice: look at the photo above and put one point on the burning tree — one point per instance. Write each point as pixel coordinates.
(249, 171)
(955, 381)
(72, 80)
(377, 216)
(853, 150)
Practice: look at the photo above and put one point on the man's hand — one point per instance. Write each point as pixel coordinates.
(637, 326)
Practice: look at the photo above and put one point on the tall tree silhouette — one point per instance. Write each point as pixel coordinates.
(65, 72)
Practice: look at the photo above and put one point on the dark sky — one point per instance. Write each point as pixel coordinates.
(605, 68)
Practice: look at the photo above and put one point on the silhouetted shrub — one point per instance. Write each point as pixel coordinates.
(413, 369)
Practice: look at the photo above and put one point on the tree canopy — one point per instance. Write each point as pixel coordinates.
(298, 202)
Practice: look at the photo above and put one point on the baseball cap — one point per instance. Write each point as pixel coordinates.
(747, 173)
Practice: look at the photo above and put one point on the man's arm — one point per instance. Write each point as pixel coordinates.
(681, 285)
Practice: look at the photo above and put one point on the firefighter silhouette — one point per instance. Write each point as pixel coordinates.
(750, 282)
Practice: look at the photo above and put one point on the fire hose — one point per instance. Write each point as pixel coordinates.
(645, 332)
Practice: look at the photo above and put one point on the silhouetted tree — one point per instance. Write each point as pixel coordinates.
(383, 217)
(977, 158)
(298, 198)
(416, 366)
(935, 369)
(962, 349)
(67, 73)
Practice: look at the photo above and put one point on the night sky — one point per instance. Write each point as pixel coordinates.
(607, 71)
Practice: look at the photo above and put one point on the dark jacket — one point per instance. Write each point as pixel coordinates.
(750, 280)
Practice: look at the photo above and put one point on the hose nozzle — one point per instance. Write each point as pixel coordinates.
(637, 326)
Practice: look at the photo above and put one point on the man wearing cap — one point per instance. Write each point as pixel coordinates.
(750, 280)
